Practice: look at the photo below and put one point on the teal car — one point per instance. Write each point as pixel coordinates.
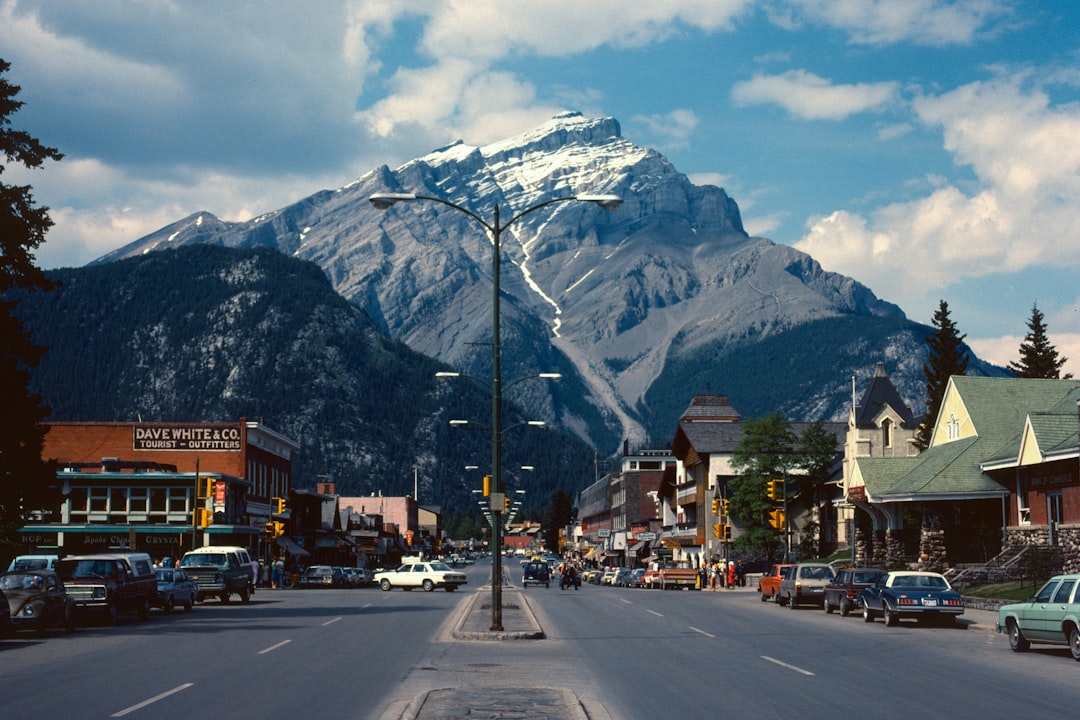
(1051, 617)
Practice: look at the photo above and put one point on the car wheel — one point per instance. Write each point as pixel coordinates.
(384, 584)
(167, 606)
(1074, 643)
(845, 607)
(1017, 641)
(792, 601)
(764, 597)
(826, 606)
(867, 615)
(189, 604)
(112, 613)
(888, 615)
(224, 597)
(451, 588)
(780, 600)
(428, 586)
(245, 595)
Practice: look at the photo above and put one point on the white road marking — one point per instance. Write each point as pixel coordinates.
(698, 630)
(152, 700)
(331, 622)
(655, 613)
(786, 665)
(272, 648)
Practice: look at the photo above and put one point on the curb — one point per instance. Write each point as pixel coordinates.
(519, 621)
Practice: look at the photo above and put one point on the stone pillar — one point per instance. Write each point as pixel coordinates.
(932, 552)
(894, 548)
(880, 549)
(863, 546)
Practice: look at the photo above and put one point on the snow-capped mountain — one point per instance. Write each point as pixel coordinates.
(607, 298)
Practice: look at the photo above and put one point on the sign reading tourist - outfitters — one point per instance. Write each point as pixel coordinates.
(202, 438)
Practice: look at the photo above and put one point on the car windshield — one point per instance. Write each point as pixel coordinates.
(18, 582)
(204, 560)
(87, 568)
(920, 581)
(164, 575)
(816, 573)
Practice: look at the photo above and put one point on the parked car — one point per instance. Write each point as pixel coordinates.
(33, 562)
(322, 576)
(911, 594)
(220, 571)
(1052, 616)
(622, 577)
(537, 573)
(5, 616)
(608, 576)
(37, 600)
(637, 578)
(357, 577)
(426, 575)
(844, 591)
(175, 587)
(110, 583)
(804, 583)
(769, 582)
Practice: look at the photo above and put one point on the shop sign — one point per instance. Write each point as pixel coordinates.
(856, 493)
(186, 438)
(39, 539)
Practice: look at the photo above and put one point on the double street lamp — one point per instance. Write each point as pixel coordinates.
(495, 229)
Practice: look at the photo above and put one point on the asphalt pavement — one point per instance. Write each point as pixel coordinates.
(473, 622)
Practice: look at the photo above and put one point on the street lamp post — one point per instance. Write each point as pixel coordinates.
(495, 228)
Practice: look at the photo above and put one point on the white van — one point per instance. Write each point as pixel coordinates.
(245, 558)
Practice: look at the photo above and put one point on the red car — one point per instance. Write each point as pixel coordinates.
(769, 584)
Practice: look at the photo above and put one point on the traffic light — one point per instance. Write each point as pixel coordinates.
(722, 531)
(776, 519)
(716, 506)
(268, 531)
(506, 504)
(279, 505)
(487, 486)
(776, 490)
(279, 528)
(726, 506)
(205, 487)
(203, 517)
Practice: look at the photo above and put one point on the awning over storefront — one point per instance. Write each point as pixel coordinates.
(291, 547)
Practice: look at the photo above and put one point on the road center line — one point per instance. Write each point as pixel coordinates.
(655, 613)
(331, 622)
(152, 700)
(789, 667)
(272, 648)
(698, 630)
(624, 601)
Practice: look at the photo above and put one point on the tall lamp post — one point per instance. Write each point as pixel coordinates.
(495, 229)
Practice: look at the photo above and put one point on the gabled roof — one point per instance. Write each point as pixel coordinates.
(992, 414)
(710, 407)
(881, 393)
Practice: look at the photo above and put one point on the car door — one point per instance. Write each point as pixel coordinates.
(1035, 618)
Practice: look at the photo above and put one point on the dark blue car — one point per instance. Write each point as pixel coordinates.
(911, 594)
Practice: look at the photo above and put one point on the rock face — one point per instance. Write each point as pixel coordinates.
(602, 297)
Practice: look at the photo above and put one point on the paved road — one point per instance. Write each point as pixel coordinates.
(608, 653)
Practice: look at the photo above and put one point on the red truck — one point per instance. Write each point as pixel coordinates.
(769, 584)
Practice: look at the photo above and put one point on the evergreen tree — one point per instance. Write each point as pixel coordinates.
(1038, 358)
(26, 481)
(947, 358)
(766, 451)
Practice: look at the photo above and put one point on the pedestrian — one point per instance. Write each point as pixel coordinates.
(740, 574)
(279, 570)
(731, 574)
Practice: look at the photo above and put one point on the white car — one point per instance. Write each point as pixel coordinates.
(426, 575)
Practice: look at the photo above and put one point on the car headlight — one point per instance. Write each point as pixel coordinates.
(100, 593)
(29, 610)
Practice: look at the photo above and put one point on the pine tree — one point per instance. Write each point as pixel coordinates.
(1038, 358)
(26, 481)
(947, 358)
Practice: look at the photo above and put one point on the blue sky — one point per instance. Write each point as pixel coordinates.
(929, 149)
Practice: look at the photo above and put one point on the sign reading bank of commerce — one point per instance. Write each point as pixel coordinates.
(201, 438)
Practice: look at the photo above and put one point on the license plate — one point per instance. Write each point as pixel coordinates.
(929, 601)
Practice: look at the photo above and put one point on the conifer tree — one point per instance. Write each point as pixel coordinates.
(947, 358)
(26, 481)
(1038, 358)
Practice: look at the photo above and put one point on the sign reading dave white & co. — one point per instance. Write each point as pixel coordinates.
(186, 437)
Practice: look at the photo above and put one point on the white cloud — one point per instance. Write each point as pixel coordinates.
(673, 129)
(808, 96)
(1022, 212)
(920, 22)
(1006, 349)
